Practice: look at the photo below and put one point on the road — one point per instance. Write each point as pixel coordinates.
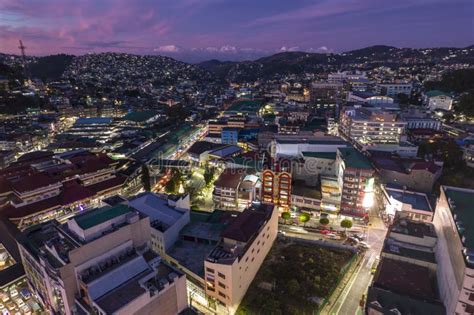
(348, 302)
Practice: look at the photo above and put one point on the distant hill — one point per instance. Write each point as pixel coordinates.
(50, 67)
(369, 57)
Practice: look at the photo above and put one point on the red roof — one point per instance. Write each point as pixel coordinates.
(74, 192)
(32, 182)
(107, 184)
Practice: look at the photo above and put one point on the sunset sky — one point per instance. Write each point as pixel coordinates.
(153, 26)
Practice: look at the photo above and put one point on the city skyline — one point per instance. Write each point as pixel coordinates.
(243, 30)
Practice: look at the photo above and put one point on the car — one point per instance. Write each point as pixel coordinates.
(25, 293)
(364, 245)
(324, 232)
(19, 302)
(13, 293)
(4, 297)
(11, 306)
(360, 237)
(352, 240)
(25, 309)
(282, 233)
(333, 236)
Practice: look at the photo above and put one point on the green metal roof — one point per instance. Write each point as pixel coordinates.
(140, 116)
(354, 159)
(100, 215)
(320, 155)
(464, 211)
(434, 93)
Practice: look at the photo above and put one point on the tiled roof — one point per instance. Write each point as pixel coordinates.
(32, 182)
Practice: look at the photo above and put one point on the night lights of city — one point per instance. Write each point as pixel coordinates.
(237, 157)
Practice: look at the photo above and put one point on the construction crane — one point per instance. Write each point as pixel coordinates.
(22, 48)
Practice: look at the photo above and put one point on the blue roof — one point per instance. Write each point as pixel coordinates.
(226, 151)
(418, 201)
(93, 121)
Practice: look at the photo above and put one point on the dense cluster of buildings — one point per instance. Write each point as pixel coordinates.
(80, 227)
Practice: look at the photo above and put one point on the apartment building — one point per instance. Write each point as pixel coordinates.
(455, 250)
(355, 176)
(233, 263)
(276, 187)
(98, 262)
(371, 126)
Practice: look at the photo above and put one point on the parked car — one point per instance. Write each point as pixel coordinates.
(11, 306)
(26, 309)
(360, 237)
(25, 293)
(333, 236)
(13, 293)
(4, 297)
(364, 245)
(324, 232)
(20, 302)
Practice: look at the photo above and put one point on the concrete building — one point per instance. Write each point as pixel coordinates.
(411, 241)
(411, 204)
(355, 176)
(294, 146)
(325, 96)
(167, 218)
(99, 263)
(393, 89)
(371, 126)
(276, 187)
(403, 288)
(234, 262)
(455, 251)
(438, 100)
(413, 173)
(226, 188)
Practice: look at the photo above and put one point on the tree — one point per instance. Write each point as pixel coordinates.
(304, 217)
(285, 216)
(146, 177)
(346, 224)
(293, 287)
(208, 175)
(324, 221)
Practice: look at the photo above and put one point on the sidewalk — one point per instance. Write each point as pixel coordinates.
(328, 308)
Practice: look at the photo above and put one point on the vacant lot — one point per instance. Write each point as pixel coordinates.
(294, 279)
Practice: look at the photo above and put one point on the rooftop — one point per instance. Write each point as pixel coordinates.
(230, 178)
(248, 223)
(395, 248)
(418, 201)
(93, 121)
(406, 279)
(461, 206)
(354, 159)
(161, 214)
(95, 217)
(299, 188)
(320, 155)
(142, 116)
(413, 228)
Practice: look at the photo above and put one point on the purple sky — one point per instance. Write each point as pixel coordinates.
(153, 26)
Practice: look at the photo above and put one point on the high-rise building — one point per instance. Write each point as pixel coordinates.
(99, 263)
(454, 215)
(325, 96)
(356, 177)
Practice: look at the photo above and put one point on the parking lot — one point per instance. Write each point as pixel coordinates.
(17, 299)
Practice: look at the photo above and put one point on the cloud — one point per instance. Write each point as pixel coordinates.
(168, 48)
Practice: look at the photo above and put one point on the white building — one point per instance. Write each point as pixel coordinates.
(454, 216)
(167, 218)
(411, 204)
(233, 264)
(438, 100)
(393, 89)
